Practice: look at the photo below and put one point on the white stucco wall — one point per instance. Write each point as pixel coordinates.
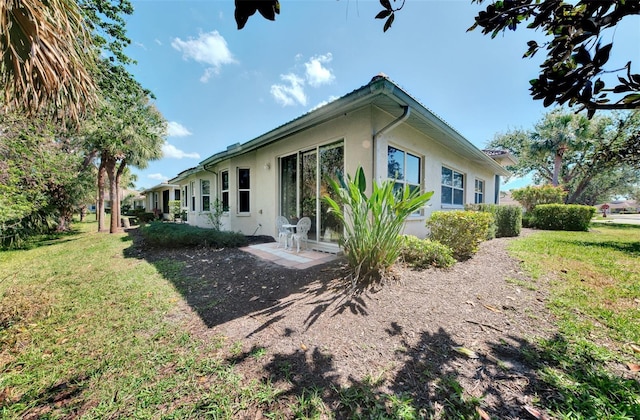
(356, 129)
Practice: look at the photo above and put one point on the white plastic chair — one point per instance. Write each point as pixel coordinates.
(283, 232)
(302, 228)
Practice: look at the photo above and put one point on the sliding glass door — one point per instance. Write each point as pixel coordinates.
(303, 183)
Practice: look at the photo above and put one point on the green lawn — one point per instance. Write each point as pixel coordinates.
(595, 294)
(85, 330)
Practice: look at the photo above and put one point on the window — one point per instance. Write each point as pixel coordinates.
(156, 205)
(205, 190)
(452, 187)
(404, 169)
(224, 190)
(176, 195)
(244, 192)
(184, 197)
(192, 186)
(479, 194)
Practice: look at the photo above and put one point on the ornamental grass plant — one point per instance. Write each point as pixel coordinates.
(372, 224)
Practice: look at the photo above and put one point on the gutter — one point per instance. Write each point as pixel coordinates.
(406, 112)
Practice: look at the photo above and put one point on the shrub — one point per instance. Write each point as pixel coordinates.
(460, 230)
(507, 219)
(372, 225)
(423, 253)
(563, 217)
(172, 235)
(531, 196)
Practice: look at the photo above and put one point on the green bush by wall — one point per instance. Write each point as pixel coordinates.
(423, 253)
(507, 219)
(460, 230)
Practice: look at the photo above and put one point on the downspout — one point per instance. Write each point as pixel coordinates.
(406, 112)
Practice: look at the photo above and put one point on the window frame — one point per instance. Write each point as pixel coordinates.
(185, 197)
(406, 183)
(242, 191)
(224, 192)
(204, 195)
(452, 187)
(192, 186)
(479, 192)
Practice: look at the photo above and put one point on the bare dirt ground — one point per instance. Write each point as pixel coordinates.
(297, 329)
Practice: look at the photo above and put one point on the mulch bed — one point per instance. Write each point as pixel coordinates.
(403, 337)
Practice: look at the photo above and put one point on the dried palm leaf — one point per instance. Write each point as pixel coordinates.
(47, 57)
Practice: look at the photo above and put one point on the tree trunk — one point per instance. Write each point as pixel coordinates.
(119, 172)
(557, 164)
(100, 215)
(110, 169)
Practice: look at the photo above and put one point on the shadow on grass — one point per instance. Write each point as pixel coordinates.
(630, 248)
(611, 225)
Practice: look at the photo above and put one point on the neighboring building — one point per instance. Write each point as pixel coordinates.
(620, 206)
(157, 198)
(378, 126)
(134, 197)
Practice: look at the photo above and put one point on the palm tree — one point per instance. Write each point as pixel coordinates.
(554, 135)
(47, 57)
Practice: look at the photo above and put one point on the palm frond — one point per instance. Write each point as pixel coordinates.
(47, 57)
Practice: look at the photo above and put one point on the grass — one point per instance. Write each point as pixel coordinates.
(84, 330)
(87, 331)
(595, 294)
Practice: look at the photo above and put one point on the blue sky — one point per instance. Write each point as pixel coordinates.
(217, 86)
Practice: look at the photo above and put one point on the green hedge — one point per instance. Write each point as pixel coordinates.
(507, 219)
(563, 217)
(460, 230)
(423, 253)
(173, 235)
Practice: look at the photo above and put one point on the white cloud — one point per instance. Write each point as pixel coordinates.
(291, 92)
(323, 103)
(158, 177)
(316, 73)
(210, 49)
(158, 41)
(171, 151)
(175, 129)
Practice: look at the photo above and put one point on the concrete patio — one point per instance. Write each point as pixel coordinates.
(289, 258)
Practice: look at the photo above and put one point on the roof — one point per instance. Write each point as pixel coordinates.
(384, 94)
(160, 186)
(504, 157)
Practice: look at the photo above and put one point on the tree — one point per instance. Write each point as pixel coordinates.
(588, 158)
(126, 130)
(46, 57)
(44, 176)
(574, 71)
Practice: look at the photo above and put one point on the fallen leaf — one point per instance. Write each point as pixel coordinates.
(303, 347)
(535, 413)
(483, 414)
(635, 348)
(491, 308)
(633, 367)
(465, 351)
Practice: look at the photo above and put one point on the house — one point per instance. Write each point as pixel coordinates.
(157, 198)
(127, 196)
(378, 126)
